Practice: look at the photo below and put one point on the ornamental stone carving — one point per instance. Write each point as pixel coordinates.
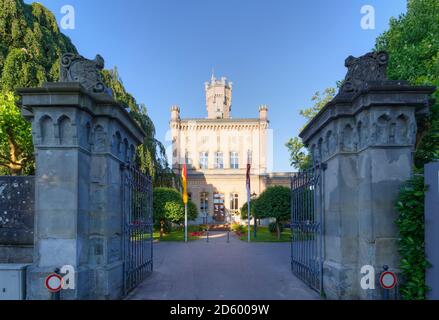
(76, 68)
(369, 67)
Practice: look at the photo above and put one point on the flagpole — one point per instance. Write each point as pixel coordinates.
(248, 216)
(248, 194)
(184, 182)
(185, 222)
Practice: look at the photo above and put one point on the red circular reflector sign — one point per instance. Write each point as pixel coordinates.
(54, 282)
(388, 280)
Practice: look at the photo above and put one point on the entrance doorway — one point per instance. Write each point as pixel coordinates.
(218, 207)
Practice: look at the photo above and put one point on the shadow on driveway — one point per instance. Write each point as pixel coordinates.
(217, 270)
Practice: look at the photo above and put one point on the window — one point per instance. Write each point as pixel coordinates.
(234, 203)
(234, 160)
(204, 203)
(219, 164)
(188, 158)
(204, 156)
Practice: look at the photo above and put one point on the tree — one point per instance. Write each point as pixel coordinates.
(274, 202)
(16, 149)
(412, 42)
(320, 100)
(299, 157)
(31, 46)
(169, 207)
(192, 211)
(244, 210)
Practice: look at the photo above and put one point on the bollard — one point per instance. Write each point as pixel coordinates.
(228, 236)
(207, 235)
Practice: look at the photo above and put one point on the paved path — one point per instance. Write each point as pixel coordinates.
(219, 270)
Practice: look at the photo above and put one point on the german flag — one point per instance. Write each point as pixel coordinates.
(184, 183)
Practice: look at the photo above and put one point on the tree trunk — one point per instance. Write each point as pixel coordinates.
(278, 230)
(14, 165)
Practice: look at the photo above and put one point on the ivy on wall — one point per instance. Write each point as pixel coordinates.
(410, 206)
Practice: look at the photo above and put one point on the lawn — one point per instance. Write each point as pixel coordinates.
(178, 235)
(264, 235)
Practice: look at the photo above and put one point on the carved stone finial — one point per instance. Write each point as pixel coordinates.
(76, 68)
(370, 67)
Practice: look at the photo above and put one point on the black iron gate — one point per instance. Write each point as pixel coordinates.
(138, 226)
(307, 227)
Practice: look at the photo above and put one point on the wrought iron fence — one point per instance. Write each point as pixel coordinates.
(17, 196)
(307, 227)
(138, 226)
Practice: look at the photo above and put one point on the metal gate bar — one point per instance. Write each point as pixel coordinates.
(138, 226)
(306, 227)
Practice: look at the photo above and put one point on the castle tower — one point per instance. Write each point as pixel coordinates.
(218, 98)
(175, 135)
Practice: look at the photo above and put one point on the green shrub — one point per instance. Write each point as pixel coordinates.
(244, 209)
(168, 206)
(167, 227)
(410, 206)
(274, 202)
(272, 227)
(192, 211)
(236, 227)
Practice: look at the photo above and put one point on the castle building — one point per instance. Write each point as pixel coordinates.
(216, 150)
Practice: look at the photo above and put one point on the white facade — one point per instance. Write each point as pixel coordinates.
(217, 149)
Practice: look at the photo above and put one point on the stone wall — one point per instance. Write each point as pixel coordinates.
(366, 136)
(16, 219)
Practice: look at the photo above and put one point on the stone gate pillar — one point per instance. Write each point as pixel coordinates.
(366, 136)
(81, 138)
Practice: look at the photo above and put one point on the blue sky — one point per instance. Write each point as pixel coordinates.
(275, 52)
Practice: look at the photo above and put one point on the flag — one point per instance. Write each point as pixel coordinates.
(248, 174)
(248, 179)
(184, 182)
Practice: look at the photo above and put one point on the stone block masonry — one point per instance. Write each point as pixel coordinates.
(81, 138)
(366, 135)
